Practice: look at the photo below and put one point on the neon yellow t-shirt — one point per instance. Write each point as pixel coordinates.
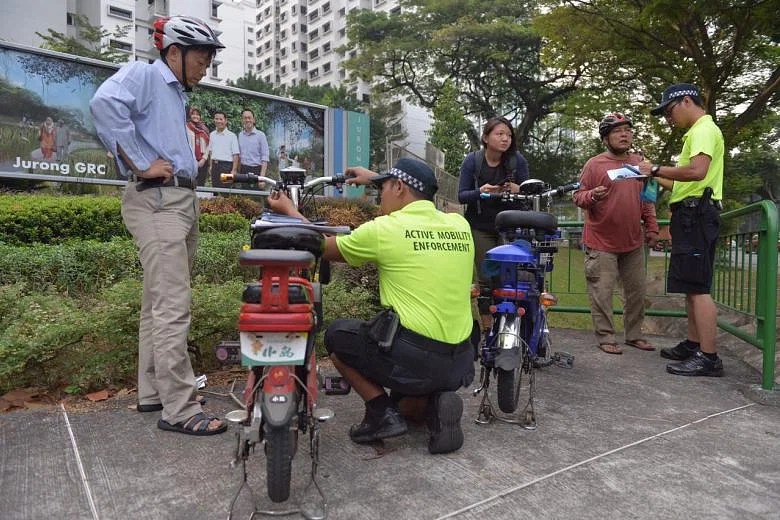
(425, 261)
(704, 137)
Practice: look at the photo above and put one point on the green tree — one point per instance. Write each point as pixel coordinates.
(488, 49)
(251, 82)
(92, 41)
(629, 50)
(449, 132)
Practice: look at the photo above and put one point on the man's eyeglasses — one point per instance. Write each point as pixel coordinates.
(670, 109)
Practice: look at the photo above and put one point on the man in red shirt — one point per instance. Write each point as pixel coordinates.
(613, 236)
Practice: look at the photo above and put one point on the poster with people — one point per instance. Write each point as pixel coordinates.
(46, 127)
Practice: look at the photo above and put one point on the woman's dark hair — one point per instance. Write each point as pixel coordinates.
(490, 125)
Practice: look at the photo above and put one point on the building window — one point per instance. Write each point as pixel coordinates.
(326, 28)
(304, 46)
(314, 35)
(313, 15)
(294, 10)
(214, 9)
(251, 42)
(250, 54)
(267, 62)
(70, 19)
(120, 45)
(283, 70)
(214, 70)
(283, 52)
(294, 65)
(313, 73)
(293, 46)
(267, 45)
(342, 33)
(378, 2)
(250, 67)
(342, 12)
(304, 27)
(314, 54)
(326, 68)
(120, 13)
(304, 65)
(303, 10)
(366, 98)
(283, 35)
(326, 8)
(326, 48)
(268, 78)
(294, 29)
(396, 10)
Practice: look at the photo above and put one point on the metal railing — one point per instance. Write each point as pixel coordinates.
(745, 280)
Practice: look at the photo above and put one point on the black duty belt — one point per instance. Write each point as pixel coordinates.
(175, 181)
(431, 344)
(693, 202)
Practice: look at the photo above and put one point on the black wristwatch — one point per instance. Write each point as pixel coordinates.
(654, 170)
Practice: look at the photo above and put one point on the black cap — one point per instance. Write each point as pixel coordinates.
(416, 174)
(678, 90)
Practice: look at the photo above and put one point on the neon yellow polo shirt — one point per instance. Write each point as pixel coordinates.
(425, 260)
(704, 137)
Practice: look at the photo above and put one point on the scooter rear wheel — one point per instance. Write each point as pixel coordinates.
(279, 444)
(508, 389)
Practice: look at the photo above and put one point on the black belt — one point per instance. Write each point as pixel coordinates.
(222, 162)
(693, 202)
(426, 343)
(176, 181)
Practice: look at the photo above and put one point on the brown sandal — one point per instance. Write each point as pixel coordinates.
(640, 344)
(610, 348)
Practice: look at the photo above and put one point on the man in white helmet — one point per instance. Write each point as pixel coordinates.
(140, 117)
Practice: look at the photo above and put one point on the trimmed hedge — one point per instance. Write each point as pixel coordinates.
(48, 219)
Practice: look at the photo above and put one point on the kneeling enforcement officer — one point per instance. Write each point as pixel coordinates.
(419, 346)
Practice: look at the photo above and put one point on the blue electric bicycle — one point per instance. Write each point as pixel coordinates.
(518, 342)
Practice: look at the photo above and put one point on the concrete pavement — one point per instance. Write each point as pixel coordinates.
(618, 438)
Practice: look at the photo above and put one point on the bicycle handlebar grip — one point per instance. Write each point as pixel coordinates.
(229, 178)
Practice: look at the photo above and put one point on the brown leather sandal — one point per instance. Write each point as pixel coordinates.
(640, 344)
(611, 348)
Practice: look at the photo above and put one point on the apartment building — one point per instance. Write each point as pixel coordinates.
(299, 40)
(232, 20)
(284, 42)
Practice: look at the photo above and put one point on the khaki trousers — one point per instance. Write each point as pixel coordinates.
(164, 224)
(602, 271)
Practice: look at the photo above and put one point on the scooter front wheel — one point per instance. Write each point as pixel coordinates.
(508, 389)
(279, 449)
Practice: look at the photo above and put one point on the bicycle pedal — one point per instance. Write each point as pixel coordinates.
(563, 359)
(335, 385)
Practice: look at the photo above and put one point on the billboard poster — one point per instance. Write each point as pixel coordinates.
(46, 127)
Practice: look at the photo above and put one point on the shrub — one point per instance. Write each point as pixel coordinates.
(245, 206)
(46, 219)
(49, 219)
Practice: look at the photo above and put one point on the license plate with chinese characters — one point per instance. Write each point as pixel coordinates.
(273, 348)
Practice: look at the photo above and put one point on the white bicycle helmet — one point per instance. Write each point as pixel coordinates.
(186, 31)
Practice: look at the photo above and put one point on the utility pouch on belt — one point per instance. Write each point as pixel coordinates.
(705, 199)
(382, 329)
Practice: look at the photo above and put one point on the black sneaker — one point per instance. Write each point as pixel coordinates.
(697, 365)
(389, 424)
(679, 352)
(443, 418)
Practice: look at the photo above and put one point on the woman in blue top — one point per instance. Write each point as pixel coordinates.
(497, 168)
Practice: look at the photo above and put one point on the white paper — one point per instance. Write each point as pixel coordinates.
(626, 172)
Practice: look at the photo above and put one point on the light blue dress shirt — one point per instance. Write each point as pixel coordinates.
(254, 147)
(141, 108)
